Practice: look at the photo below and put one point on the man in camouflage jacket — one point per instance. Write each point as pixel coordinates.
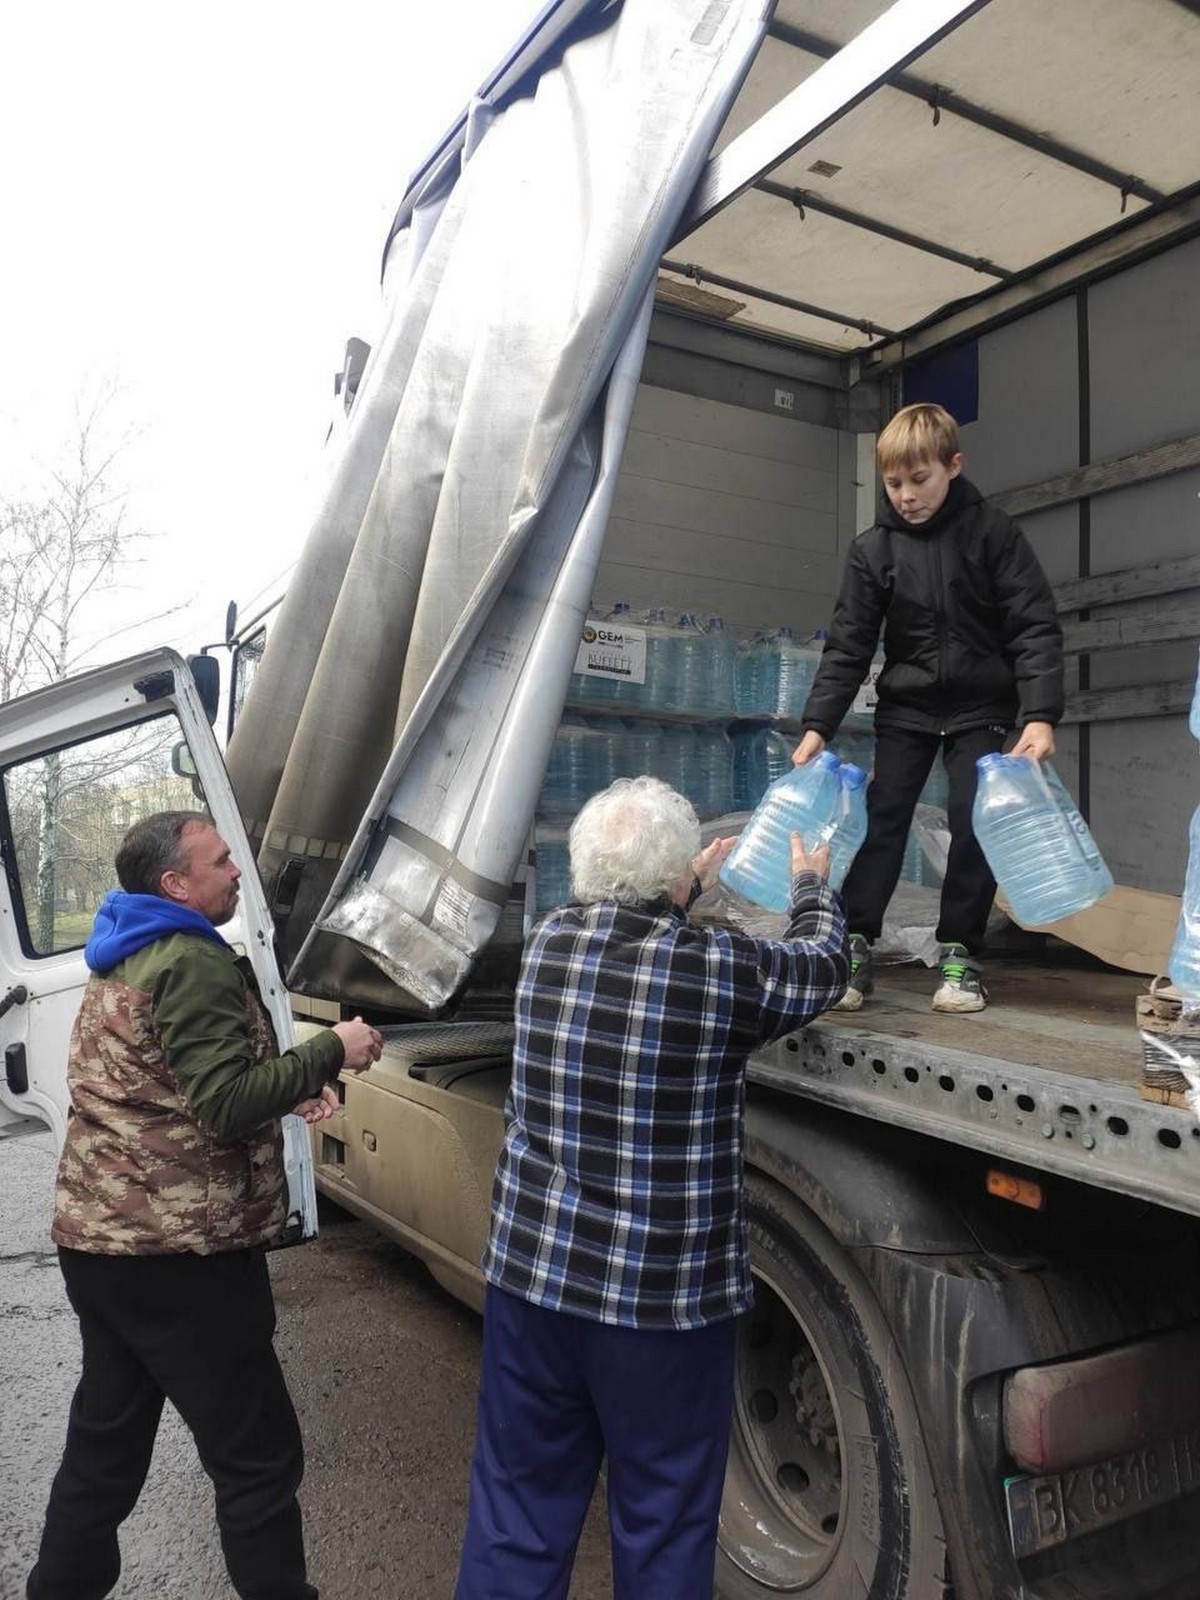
(171, 1183)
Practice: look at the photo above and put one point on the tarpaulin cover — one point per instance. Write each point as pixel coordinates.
(391, 751)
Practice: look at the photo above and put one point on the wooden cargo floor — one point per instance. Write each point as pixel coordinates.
(1064, 1018)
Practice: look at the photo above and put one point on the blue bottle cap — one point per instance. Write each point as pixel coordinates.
(853, 777)
(828, 760)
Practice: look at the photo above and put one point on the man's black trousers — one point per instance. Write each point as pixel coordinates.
(903, 759)
(197, 1331)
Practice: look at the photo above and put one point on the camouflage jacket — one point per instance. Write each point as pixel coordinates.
(177, 1087)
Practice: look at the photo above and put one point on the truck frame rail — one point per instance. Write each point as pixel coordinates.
(1047, 1077)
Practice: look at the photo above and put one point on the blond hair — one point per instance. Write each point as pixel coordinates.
(917, 433)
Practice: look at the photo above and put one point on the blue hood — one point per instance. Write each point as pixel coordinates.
(127, 923)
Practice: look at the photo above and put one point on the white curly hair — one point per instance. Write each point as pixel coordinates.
(636, 840)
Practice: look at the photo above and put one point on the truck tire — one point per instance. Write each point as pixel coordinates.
(828, 1492)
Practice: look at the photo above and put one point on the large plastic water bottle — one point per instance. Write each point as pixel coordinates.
(851, 823)
(722, 654)
(771, 669)
(692, 674)
(1194, 717)
(803, 801)
(1039, 848)
(715, 758)
(797, 669)
(641, 749)
(657, 693)
(1183, 966)
(746, 676)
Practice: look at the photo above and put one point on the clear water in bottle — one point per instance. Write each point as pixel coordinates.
(640, 749)
(746, 677)
(722, 654)
(851, 822)
(715, 760)
(657, 693)
(1034, 844)
(770, 669)
(678, 761)
(1183, 966)
(1194, 715)
(797, 669)
(804, 801)
(691, 681)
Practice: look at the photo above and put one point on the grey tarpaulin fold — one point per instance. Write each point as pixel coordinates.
(391, 749)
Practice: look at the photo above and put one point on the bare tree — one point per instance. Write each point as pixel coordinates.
(60, 551)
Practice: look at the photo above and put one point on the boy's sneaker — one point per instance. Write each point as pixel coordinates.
(861, 981)
(961, 989)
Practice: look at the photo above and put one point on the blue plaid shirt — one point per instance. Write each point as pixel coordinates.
(618, 1192)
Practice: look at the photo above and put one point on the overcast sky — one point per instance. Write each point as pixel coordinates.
(194, 203)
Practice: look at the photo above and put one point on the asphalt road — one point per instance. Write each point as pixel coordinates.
(383, 1367)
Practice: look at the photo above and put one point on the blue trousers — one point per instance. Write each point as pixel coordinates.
(557, 1394)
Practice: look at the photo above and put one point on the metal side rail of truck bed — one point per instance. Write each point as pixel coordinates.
(1046, 1077)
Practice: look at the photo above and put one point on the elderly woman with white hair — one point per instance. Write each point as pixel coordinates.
(618, 1257)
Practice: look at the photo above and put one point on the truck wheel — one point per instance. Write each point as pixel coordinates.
(828, 1491)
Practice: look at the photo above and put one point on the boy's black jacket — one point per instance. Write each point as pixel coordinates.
(970, 634)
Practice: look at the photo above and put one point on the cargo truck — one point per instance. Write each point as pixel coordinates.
(648, 304)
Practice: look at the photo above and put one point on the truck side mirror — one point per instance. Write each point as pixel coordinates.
(206, 671)
(183, 765)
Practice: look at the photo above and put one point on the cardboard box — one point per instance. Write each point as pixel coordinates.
(1129, 928)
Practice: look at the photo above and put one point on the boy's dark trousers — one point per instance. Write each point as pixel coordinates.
(903, 759)
(195, 1330)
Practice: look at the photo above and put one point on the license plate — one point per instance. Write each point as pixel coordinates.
(1049, 1510)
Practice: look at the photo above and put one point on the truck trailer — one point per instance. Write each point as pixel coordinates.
(647, 306)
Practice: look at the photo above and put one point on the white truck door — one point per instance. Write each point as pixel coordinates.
(80, 762)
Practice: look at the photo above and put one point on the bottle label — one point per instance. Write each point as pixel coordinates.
(867, 697)
(608, 650)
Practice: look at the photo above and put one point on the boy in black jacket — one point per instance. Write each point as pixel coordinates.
(972, 648)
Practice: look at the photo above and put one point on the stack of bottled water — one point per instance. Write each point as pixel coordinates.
(1183, 965)
(1039, 848)
(806, 801)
